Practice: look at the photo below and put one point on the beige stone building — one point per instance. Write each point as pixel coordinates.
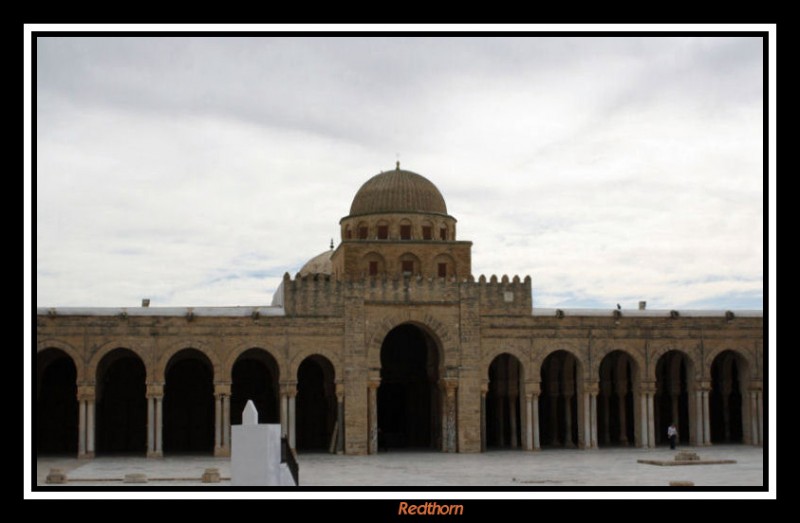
(389, 342)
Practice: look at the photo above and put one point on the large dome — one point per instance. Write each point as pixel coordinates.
(398, 191)
(319, 264)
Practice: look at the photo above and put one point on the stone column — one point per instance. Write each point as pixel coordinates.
(217, 424)
(554, 418)
(593, 419)
(698, 417)
(151, 423)
(284, 412)
(606, 421)
(587, 418)
(568, 421)
(623, 426)
(753, 417)
(512, 419)
(528, 421)
(760, 406)
(706, 418)
(451, 386)
(643, 419)
(222, 419)
(484, 391)
(154, 392)
(372, 414)
(536, 439)
(675, 413)
(499, 418)
(159, 426)
(340, 418)
(90, 427)
(292, 417)
(81, 427)
(86, 396)
(651, 418)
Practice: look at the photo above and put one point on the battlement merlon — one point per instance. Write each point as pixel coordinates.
(324, 295)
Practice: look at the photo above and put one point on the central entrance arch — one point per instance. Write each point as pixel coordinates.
(409, 396)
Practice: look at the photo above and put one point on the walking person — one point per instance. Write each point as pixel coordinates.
(672, 435)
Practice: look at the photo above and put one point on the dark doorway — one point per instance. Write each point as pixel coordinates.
(316, 404)
(558, 402)
(615, 412)
(408, 397)
(189, 404)
(121, 404)
(503, 420)
(56, 404)
(725, 400)
(672, 396)
(255, 377)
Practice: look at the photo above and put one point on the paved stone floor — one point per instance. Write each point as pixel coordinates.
(550, 468)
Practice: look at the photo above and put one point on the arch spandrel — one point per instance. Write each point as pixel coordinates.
(522, 357)
(69, 350)
(742, 350)
(301, 356)
(689, 348)
(446, 346)
(599, 353)
(110, 346)
(160, 372)
(234, 354)
(544, 348)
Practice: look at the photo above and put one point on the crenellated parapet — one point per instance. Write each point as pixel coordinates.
(313, 295)
(505, 296)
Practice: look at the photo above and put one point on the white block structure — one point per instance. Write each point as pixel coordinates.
(256, 453)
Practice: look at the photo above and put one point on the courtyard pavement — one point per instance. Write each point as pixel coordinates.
(556, 468)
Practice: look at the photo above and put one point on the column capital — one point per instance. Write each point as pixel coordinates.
(339, 391)
(288, 387)
(484, 389)
(86, 392)
(703, 385)
(154, 390)
(755, 386)
(222, 389)
(534, 387)
(449, 384)
(592, 387)
(374, 383)
(647, 387)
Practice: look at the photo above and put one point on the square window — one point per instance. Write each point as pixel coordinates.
(383, 232)
(405, 232)
(362, 233)
(373, 268)
(443, 270)
(427, 232)
(443, 234)
(408, 267)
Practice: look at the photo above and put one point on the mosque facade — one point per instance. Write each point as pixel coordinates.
(389, 342)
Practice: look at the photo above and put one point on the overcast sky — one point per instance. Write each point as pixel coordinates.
(197, 171)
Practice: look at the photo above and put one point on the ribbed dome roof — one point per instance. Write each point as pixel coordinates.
(398, 191)
(319, 264)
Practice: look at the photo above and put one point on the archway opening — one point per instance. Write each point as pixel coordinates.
(409, 396)
(615, 402)
(316, 404)
(56, 403)
(255, 377)
(558, 402)
(673, 372)
(503, 416)
(121, 404)
(189, 403)
(725, 400)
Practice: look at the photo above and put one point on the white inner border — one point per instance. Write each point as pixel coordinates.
(771, 29)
